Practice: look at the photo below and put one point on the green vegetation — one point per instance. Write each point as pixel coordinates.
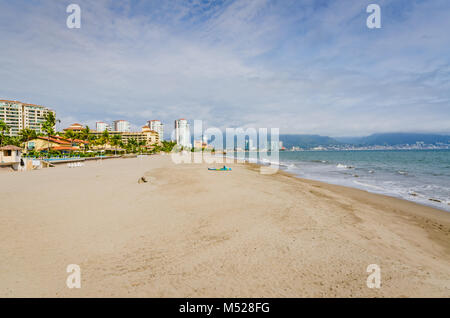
(48, 126)
(7, 140)
(27, 134)
(4, 129)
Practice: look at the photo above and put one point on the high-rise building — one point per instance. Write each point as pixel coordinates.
(102, 126)
(18, 116)
(182, 133)
(121, 126)
(158, 126)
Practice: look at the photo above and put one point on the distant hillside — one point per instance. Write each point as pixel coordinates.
(383, 139)
(307, 141)
(392, 139)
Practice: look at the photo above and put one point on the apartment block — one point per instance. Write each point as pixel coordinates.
(18, 115)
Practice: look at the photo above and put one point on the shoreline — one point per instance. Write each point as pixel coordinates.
(399, 204)
(190, 232)
(425, 204)
(381, 194)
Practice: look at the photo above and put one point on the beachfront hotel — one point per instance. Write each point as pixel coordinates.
(182, 133)
(158, 126)
(102, 126)
(122, 126)
(18, 115)
(150, 137)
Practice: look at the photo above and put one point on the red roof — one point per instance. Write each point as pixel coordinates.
(57, 140)
(25, 104)
(9, 101)
(80, 141)
(70, 140)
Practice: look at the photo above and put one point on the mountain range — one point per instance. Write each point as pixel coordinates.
(381, 139)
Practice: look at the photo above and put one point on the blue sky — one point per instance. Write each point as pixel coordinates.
(304, 66)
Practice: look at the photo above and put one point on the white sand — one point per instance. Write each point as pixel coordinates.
(190, 232)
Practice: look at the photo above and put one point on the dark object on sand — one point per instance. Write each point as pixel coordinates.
(142, 180)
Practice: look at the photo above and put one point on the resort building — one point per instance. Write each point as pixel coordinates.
(182, 133)
(121, 126)
(158, 126)
(55, 143)
(146, 135)
(18, 116)
(102, 126)
(76, 128)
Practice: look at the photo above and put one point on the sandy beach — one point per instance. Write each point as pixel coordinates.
(190, 232)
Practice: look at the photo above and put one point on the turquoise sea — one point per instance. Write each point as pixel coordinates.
(422, 176)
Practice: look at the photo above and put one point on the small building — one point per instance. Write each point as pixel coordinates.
(56, 143)
(10, 156)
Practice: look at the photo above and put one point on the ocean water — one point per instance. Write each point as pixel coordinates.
(422, 176)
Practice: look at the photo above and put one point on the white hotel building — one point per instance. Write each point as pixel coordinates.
(102, 126)
(158, 126)
(121, 126)
(182, 133)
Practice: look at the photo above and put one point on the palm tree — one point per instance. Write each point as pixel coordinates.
(4, 128)
(132, 144)
(115, 141)
(85, 133)
(27, 134)
(49, 127)
(167, 146)
(141, 144)
(105, 135)
(69, 134)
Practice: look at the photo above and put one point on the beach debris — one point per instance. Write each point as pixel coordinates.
(224, 168)
(413, 194)
(142, 180)
(435, 200)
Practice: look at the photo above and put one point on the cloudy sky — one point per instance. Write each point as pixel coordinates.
(305, 66)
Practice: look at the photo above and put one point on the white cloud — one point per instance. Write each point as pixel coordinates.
(301, 67)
